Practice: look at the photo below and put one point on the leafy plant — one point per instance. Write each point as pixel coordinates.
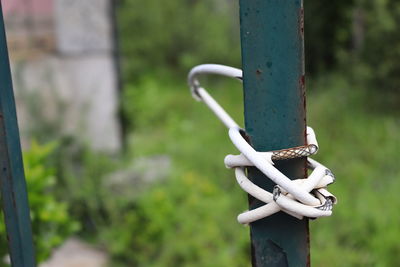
(185, 221)
(51, 223)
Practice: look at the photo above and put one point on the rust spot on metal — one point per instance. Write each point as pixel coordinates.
(13, 200)
(301, 22)
(302, 81)
(302, 85)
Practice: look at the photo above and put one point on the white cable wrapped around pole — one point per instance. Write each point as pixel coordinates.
(307, 197)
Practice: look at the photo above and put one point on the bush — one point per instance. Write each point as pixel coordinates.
(80, 174)
(186, 221)
(51, 223)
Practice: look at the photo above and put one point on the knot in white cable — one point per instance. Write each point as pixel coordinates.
(307, 197)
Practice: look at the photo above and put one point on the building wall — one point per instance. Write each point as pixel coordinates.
(64, 73)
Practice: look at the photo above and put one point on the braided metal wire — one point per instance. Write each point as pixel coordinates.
(294, 152)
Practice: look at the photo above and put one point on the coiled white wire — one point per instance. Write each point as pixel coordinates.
(300, 198)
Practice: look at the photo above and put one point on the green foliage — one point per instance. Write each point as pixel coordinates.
(172, 36)
(361, 149)
(328, 33)
(360, 38)
(80, 173)
(182, 222)
(51, 223)
(378, 67)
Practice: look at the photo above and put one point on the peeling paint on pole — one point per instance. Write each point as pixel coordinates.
(272, 35)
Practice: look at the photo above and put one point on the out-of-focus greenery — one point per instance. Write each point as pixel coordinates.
(80, 174)
(377, 60)
(360, 38)
(177, 223)
(328, 33)
(360, 147)
(51, 223)
(172, 36)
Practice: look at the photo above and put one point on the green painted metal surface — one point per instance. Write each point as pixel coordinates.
(272, 36)
(12, 179)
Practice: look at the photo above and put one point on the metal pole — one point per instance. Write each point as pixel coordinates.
(12, 179)
(272, 36)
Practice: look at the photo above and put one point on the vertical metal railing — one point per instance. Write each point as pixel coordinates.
(12, 179)
(272, 35)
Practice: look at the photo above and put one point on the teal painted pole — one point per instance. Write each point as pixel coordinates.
(272, 36)
(12, 179)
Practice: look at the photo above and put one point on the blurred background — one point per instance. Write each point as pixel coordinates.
(125, 169)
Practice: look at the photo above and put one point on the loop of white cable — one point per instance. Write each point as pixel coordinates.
(300, 198)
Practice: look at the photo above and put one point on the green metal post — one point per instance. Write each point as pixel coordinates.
(12, 179)
(272, 36)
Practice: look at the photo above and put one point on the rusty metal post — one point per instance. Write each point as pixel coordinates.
(272, 36)
(12, 179)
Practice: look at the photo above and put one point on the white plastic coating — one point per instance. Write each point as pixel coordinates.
(295, 206)
(307, 197)
(311, 138)
(269, 170)
(316, 179)
(232, 161)
(210, 69)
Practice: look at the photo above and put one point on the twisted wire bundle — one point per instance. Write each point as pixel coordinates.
(307, 197)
